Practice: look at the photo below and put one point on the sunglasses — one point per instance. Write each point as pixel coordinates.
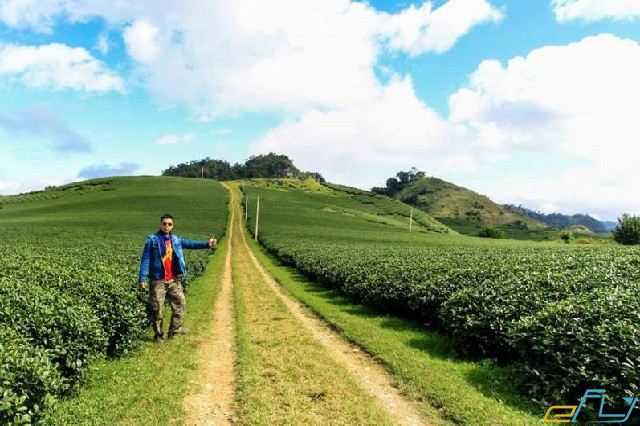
(167, 224)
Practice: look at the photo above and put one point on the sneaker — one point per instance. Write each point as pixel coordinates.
(181, 330)
(158, 339)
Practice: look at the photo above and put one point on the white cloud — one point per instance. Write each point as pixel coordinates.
(578, 100)
(171, 139)
(141, 41)
(574, 101)
(576, 190)
(9, 187)
(42, 15)
(30, 13)
(102, 44)
(221, 57)
(594, 10)
(395, 128)
(419, 30)
(58, 67)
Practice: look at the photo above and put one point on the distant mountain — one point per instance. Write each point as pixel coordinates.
(448, 202)
(559, 220)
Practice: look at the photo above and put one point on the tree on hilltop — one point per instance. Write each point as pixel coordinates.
(397, 183)
(270, 166)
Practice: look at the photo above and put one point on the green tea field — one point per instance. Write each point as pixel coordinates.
(337, 314)
(562, 318)
(68, 278)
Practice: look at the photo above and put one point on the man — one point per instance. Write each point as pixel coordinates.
(163, 261)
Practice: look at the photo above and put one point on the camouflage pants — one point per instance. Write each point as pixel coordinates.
(172, 289)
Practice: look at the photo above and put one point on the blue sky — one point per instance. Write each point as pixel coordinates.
(530, 102)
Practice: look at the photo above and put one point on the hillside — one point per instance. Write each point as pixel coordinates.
(488, 298)
(69, 260)
(460, 207)
(355, 203)
(418, 298)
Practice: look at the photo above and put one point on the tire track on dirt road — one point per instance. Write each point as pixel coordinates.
(214, 402)
(370, 375)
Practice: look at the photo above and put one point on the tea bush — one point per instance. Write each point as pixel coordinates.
(497, 299)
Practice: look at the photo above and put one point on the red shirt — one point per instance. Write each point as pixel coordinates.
(167, 260)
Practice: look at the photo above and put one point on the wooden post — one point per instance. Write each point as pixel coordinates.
(246, 208)
(257, 217)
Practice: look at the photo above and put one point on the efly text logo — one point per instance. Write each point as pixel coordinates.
(569, 413)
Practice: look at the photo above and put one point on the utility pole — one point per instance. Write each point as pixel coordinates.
(257, 217)
(202, 172)
(246, 208)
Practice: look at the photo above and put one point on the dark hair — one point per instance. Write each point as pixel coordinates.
(166, 216)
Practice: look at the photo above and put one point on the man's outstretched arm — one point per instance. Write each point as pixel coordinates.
(189, 244)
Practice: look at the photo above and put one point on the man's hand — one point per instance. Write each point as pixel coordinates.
(143, 285)
(213, 241)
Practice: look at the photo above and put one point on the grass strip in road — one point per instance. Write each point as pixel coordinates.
(149, 386)
(449, 390)
(285, 376)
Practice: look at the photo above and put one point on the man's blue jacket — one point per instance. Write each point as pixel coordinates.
(154, 250)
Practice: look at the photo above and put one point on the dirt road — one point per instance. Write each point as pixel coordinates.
(335, 381)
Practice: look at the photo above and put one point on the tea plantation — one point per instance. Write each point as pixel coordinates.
(69, 258)
(564, 316)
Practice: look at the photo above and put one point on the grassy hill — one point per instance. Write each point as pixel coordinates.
(500, 300)
(344, 201)
(69, 260)
(464, 210)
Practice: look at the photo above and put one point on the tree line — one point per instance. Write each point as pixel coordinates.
(257, 166)
(560, 220)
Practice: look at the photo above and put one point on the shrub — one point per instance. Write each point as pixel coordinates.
(588, 340)
(628, 230)
(29, 381)
(566, 236)
(67, 328)
(491, 232)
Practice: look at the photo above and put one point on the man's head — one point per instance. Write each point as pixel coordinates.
(166, 223)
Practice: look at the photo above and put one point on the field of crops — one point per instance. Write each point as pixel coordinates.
(69, 259)
(565, 316)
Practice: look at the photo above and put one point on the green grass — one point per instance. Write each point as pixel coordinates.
(339, 216)
(123, 205)
(284, 375)
(448, 389)
(444, 199)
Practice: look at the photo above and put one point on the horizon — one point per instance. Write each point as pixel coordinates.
(366, 189)
(528, 103)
